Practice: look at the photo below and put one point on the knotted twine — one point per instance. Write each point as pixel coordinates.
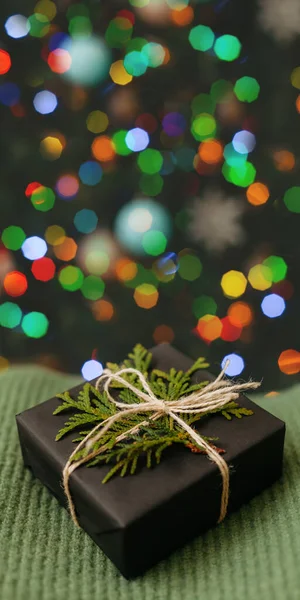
(213, 396)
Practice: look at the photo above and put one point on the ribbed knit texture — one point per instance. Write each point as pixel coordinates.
(253, 555)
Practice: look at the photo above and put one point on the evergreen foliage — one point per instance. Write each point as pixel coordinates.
(152, 437)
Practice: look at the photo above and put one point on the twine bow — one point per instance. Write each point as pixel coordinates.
(214, 395)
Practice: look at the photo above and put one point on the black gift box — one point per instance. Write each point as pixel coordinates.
(139, 519)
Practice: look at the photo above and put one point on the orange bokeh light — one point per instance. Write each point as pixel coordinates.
(240, 314)
(15, 283)
(163, 333)
(257, 193)
(298, 103)
(182, 15)
(146, 295)
(103, 148)
(66, 250)
(126, 269)
(103, 310)
(211, 151)
(284, 160)
(289, 362)
(209, 328)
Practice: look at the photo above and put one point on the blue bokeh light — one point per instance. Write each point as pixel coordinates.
(17, 26)
(9, 94)
(244, 142)
(273, 306)
(34, 248)
(137, 139)
(86, 220)
(91, 369)
(236, 364)
(45, 102)
(90, 172)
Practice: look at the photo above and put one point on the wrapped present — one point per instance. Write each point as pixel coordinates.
(184, 453)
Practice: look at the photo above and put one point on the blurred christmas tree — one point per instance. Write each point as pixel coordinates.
(149, 186)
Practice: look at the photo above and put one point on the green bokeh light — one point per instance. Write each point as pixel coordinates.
(93, 287)
(13, 237)
(80, 25)
(242, 175)
(154, 242)
(10, 315)
(227, 47)
(203, 103)
(278, 267)
(247, 89)
(71, 278)
(118, 32)
(154, 54)
(43, 199)
(150, 161)
(203, 126)
(151, 184)
(292, 199)
(35, 324)
(204, 305)
(118, 139)
(190, 267)
(232, 157)
(39, 25)
(135, 63)
(201, 38)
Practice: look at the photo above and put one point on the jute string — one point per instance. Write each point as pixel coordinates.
(214, 395)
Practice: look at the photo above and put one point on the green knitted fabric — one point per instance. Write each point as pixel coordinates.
(253, 555)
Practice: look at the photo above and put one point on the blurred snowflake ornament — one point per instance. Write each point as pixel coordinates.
(215, 221)
(281, 19)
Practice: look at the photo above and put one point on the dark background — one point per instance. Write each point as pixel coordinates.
(270, 51)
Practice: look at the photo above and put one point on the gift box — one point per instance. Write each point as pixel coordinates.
(140, 519)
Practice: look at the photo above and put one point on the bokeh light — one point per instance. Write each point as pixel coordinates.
(15, 283)
(292, 199)
(227, 47)
(17, 26)
(137, 139)
(90, 60)
(233, 284)
(71, 278)
(103, 310)
(146, 295)
(273, 306)
(91, 369)
(93, 287)
(43, 269)
(42, 198)
(35, 324)
(90, 172)
(162, 334)
(10, 315)
(240, 314)
(119, 74)
(236, 364)
(277, 266)
(97, 121)
(5, 62)
(201, 38)
(103, 148)
(138, 217)
(247, 89)
(34, 247)
(260, 277)
(209, 328)
(13, 237)
(45, 102)
(257, 194)
(86, 220)
(289, 362)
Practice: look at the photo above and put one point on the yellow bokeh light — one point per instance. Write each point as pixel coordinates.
(119, 74)
(260, 277)
(51, 147)
(233, 284)
(97, 121)
(55, 235)
(46, 8)
(295, 78)
(146, 295)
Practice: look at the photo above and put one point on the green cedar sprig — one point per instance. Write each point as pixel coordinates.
(93, 406)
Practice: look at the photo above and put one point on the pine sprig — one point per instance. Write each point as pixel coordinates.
(152, 437)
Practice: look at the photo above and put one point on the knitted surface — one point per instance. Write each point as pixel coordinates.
(253, 555)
